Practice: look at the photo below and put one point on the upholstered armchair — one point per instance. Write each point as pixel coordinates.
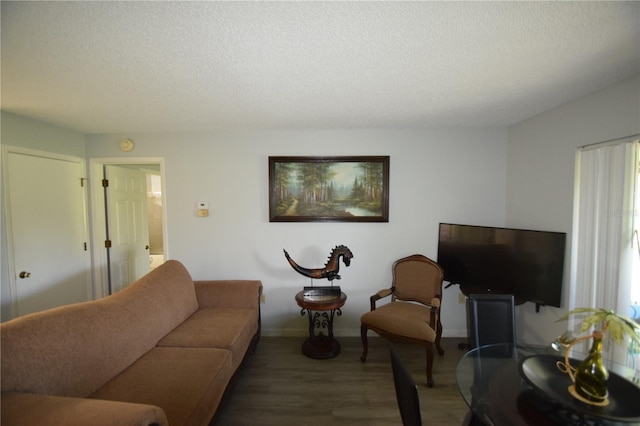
(413, 313)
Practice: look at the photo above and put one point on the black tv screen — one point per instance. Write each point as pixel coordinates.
(528, 264)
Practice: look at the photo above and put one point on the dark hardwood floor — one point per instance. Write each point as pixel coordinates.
(278, 385)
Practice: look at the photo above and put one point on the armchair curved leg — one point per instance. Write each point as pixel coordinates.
(365, 345)
(429, 348)
(438, 338)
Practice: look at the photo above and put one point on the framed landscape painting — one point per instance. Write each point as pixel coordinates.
(329, 189)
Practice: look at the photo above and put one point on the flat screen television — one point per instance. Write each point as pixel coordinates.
(528, 264)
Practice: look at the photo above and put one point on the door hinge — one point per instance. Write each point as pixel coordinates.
(85, 246)
(82, 180)
(107, 243)
(105, 183)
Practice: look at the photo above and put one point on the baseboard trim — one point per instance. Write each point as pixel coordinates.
(344, 332)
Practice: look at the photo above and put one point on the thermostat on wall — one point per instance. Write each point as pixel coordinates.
(126, 145)
(203, 209)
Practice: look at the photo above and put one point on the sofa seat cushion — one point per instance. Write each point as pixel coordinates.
(224, 328)
(187, 383)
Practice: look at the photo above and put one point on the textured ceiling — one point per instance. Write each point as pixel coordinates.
(111, 67)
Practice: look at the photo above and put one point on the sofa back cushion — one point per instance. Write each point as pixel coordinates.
(73, 350)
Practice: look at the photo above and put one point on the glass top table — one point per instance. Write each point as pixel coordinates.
(490, 381)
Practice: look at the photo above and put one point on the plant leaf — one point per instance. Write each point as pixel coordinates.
(617, 325)
(576, 311)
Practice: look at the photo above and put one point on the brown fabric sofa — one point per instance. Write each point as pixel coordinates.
(160, 352)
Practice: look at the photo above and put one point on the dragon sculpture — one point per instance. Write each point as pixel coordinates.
(331, 268)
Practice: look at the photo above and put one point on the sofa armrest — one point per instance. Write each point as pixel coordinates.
(34, 409)
(228, 293)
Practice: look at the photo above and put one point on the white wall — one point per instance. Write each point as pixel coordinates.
(435, 176)
(540, 176)
(26, 133)
(456, 175)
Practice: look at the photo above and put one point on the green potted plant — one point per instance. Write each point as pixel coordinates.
(590, 376)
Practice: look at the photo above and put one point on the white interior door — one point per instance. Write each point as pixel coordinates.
(127, 225)
(47, 231)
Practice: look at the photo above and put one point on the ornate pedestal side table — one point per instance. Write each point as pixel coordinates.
(321, 311)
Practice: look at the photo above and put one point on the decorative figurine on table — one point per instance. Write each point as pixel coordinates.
(590, 377)
(330, 271)
(331, 268)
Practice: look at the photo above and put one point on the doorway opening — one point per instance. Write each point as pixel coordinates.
(155, 215)
(128, 220)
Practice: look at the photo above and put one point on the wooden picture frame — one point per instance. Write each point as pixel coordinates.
(329, 189)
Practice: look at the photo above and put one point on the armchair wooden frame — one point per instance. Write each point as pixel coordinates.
(428, 309)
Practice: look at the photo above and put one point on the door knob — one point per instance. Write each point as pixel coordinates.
(146, 247)
(24, 274)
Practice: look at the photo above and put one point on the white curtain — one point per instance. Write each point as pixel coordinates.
(603, 247)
